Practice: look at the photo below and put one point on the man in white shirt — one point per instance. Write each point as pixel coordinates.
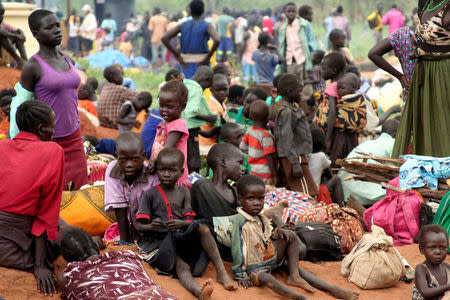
(88, 29)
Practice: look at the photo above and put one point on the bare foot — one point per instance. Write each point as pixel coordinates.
(228, 284)
(207, 290)
(341, 293)
(300, 282)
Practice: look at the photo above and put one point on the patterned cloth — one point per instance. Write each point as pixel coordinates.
(419, 171)
(298, 202)
(113, 275)
(343, 220)
(96, 171)
(351, 112)
(403, 41)
(85, 209)
(258, 143)
(433, 32)
(109, 102)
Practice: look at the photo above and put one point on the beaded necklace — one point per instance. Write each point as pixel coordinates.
(434, 8)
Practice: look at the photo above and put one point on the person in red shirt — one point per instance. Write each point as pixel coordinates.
(32, 175)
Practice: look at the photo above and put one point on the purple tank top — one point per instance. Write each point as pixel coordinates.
(59, 90)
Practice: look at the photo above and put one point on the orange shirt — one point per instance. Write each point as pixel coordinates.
(215, 107)
(89, 106)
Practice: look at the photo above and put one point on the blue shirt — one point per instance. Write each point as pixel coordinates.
(265, 63)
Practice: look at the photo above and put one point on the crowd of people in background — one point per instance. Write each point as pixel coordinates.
(298, 107)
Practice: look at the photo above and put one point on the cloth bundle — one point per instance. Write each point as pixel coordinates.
(371, 265)
(298, 203)
(419, 171)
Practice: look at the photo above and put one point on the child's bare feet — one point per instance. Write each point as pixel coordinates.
(227, 282)
(207, 290)
(296, 280)
(341, 293)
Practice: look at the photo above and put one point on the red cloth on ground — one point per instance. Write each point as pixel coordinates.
(32, 175)
(75, 159)
(324, 195)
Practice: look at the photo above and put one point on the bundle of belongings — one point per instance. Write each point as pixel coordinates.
(417, 188)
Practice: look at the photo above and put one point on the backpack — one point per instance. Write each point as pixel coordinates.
(442, 216)
(343, 220)
(372, 23)
(322, 243)
(397, 213)
(371, 264)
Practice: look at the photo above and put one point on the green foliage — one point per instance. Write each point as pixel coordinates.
(145, 80)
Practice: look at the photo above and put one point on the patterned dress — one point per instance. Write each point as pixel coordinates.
(425, 118)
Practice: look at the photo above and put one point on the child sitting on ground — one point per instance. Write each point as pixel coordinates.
(129, 110)
(432, 280)
(329, 185)
(172, 131)
(216, 197)
(259, 144)
(126, 47)
(173, 240)
(93, 83)
(257, 248)
(293, 138)
(234, 103)
(209, 132)
(266, 58)
(126, 179)
(85, 99)
(6, 97)
(338, 39)
(231, 133)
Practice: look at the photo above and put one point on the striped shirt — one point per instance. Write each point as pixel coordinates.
(258, 143)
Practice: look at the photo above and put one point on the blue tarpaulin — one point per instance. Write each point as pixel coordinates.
(108, 57)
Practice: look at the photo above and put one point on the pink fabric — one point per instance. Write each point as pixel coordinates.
(294, 47)
(162, 133)
(112, 233)
(96, 171)
(8, 27)
(332, 90)
(395, 19)
(397, 213)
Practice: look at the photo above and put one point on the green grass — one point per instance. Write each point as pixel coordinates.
(145, 80)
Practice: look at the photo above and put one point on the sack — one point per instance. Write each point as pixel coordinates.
(86, 209)
(442, 216)
(397, 213)
(322, 243)
(343, 220)
(371, 265)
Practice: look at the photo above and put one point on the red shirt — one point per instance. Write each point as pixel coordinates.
(32, 175)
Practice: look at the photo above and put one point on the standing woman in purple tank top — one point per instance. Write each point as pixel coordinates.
(53, 79)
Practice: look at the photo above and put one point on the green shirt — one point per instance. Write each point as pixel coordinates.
(224, 24)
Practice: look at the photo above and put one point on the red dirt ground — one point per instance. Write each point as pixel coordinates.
(20, 285)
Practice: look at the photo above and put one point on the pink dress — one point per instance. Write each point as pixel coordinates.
(162, 133)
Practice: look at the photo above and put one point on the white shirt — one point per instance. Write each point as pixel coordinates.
(317, 163)
(88, 27)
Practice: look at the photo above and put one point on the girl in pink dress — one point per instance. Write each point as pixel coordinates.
(172, 131)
